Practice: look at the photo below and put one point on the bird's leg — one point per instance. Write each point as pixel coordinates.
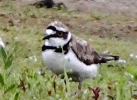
(54, 83)
(79, 85)
(63, 77)
(65, 85)
(78, 92)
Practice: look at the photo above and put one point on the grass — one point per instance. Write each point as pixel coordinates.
(23, 74)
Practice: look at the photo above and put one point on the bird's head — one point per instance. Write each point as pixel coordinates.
(57, 34)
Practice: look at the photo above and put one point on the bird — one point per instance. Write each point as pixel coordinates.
(62, 49)
(42, 3)
(49, 4)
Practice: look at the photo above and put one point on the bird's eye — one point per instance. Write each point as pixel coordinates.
(60, 34)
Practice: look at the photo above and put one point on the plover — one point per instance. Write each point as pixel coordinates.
(62, 50)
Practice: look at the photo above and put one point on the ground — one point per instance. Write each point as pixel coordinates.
(112, 17)
(23, 74)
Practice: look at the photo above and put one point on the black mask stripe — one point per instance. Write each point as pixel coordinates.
(55, 35)
(65, 34)
(50, 36)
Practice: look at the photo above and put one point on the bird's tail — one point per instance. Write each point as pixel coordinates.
(105, 58)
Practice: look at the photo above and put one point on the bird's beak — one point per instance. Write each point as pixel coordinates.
(46, 37)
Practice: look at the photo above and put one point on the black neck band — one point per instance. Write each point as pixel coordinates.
(59, 49)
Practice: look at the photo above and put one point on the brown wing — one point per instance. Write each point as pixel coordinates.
(84, 51)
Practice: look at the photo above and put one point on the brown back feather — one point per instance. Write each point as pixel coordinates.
(84, 51)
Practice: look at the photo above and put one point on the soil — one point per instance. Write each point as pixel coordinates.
(107, 7)
(114, 18)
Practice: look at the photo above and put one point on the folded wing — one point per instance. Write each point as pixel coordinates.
(87, 54)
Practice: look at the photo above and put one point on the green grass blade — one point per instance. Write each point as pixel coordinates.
(9, 88)
(4, 54)
(1, 80)
(9, 62)
(16, 96)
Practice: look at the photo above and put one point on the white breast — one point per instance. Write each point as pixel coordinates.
(57, 61)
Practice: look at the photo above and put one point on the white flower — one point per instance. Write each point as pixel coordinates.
(106, 52)
(131, 55)
(2, 43)
(33, 58)
(122, 61)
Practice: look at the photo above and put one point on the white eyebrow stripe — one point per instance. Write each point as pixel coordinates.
(49, 32)
(61, 29)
